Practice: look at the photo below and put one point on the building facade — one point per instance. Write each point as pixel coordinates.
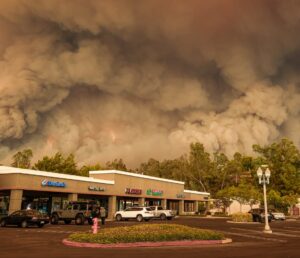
(113, 189)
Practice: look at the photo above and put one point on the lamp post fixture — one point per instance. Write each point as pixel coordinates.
(264, 173)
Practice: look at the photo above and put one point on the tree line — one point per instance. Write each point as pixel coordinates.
(225, 178)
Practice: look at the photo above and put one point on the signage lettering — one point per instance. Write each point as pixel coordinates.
(180, 196)
(46, 182)
(154, 192)
(133, 191)
(96, 188)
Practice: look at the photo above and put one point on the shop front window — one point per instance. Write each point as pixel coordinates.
(124, 203)
(152, 202)
(173, 205)
(4, 204)
(189, 206)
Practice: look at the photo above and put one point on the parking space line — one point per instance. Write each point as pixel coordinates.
(255, 237)
(261, 232)
(293, 231)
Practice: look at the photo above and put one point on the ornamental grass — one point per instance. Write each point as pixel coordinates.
(146, 233)
(241, 217)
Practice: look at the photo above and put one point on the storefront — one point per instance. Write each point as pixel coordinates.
(112, 189)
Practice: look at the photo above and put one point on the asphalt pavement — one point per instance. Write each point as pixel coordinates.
(248, 241)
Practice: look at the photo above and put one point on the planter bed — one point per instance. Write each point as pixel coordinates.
(146, 235)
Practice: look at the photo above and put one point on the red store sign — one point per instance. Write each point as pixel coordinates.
(133, 191)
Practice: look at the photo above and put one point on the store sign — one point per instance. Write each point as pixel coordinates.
(96, 188)
(154, 192)
(180, 196)
(46, 182)
(133, 191)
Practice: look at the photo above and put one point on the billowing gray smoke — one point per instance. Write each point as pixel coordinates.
(140, 79)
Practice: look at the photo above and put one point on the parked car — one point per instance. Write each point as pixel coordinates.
(138, 213)
(258, 215)
(25, 218)
(161, 213)
(278, 215)
(78, 211)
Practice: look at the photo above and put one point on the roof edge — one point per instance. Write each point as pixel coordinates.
(134, 175)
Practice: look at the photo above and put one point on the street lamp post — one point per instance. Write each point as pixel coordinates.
(264, 173)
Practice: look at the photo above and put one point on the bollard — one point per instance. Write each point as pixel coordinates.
(95, 226)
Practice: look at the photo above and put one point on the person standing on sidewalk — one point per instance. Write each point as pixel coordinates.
(102, 215)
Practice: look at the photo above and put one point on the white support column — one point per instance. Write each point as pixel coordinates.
(15, 200)
(196, 206)
(112, 206)
(181, 207)
(141, 201)
(164, 203)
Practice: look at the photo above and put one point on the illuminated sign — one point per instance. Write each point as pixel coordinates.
(154, 192)
(46, 182)
(180, 196)
(96, 188)
(133, 191)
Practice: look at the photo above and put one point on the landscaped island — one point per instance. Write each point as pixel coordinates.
(146, 233)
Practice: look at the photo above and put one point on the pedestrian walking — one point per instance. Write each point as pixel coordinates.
(102, 215)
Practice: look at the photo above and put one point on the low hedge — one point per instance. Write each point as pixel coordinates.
(241, 217)
(146, 233)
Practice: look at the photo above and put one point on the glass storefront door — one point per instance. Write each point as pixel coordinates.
(125, 202)
(4, 203)
(173, 205)
(152, 202)
(45, 202)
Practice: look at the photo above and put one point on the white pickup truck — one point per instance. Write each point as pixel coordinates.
(160, 212)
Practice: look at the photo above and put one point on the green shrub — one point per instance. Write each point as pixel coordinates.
(241, 217)
(145, 233)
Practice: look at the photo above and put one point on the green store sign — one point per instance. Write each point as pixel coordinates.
(154, 192)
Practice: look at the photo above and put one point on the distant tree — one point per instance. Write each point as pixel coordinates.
(283, 159)
(58, 163)
(22, 159)
(200, 167)
(152, 167)
(84, 170)
(117, 164)
(243, 194)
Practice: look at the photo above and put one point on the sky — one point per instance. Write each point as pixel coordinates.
(137, 79)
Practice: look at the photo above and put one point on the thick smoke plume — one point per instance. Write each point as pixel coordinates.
(140, 79)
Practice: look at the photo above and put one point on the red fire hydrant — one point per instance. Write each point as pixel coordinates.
(95, 225)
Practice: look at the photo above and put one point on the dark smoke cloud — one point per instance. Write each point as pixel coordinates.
(140, 79)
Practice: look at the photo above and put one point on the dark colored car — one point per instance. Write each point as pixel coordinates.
(25, 218)
(258, 215)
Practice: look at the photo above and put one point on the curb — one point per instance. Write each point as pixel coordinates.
(236, 222)
(148, 244)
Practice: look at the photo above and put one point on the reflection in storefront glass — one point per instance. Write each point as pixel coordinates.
(4, 204)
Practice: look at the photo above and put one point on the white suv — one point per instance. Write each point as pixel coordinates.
(138, 213)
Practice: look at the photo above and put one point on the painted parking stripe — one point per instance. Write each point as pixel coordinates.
(254, 237)
(261, 232)
(292, 231)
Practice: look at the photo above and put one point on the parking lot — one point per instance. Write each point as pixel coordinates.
(248, 241)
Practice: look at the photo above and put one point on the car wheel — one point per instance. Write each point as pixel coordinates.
(79, 220)
(3, 223)
(139, 218)
(90, 221)
(24, 224)
(119, 217)
(54, 219)
(163, 216)
(40, 225)
(67, 221)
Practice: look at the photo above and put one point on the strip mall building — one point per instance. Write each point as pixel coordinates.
(113, 189)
